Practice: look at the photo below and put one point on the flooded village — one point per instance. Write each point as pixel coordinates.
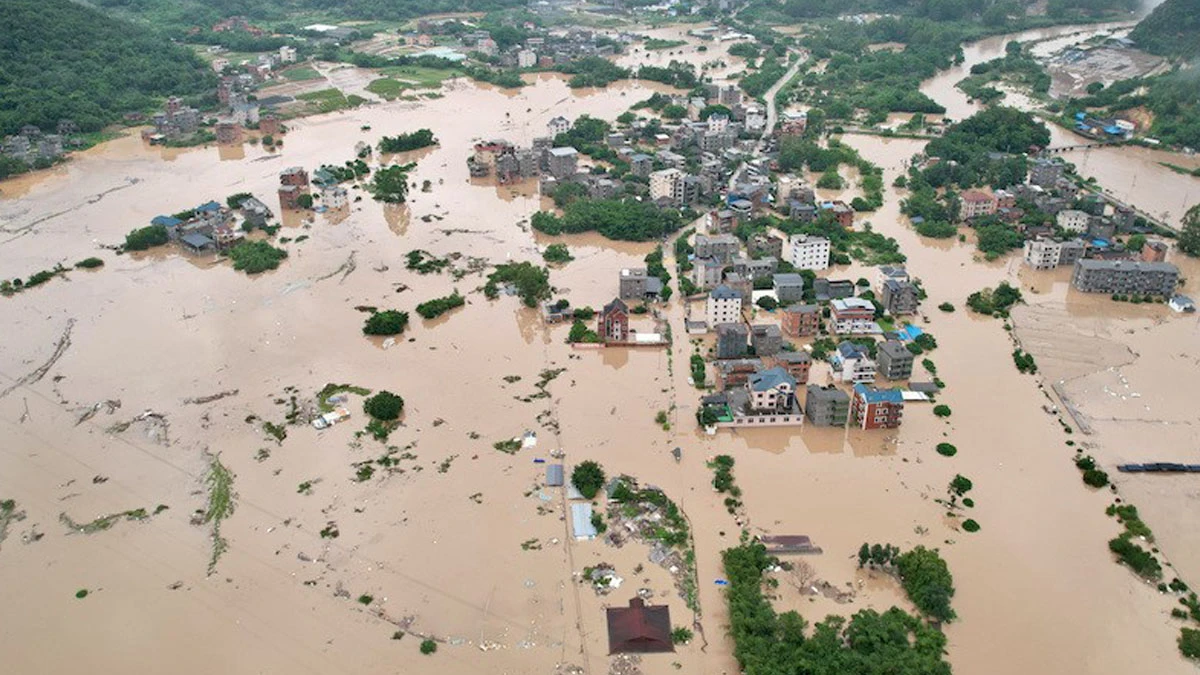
(475, 377)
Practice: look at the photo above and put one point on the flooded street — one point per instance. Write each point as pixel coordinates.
(455, 539)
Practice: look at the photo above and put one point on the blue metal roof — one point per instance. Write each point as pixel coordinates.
(581, 521)
(872, 395)
(166, 221)
(210, 206)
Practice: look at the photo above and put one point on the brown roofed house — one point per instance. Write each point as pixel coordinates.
(639, 629)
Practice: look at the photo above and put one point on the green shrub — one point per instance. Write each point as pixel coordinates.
(946, 307)
(681, 635)
(387, 322)
(428, 646)
(941, 410)
(946, 449)
(431, 309)
(89, 263)
(1136, 558)
(1095, 478)
(1189, 643)
(253, 257)
(970, 525)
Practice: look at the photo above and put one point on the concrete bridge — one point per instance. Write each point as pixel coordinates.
(1080, 146)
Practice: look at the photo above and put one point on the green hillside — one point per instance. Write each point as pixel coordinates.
(178, 14)
(61, 60)
(1172, 29)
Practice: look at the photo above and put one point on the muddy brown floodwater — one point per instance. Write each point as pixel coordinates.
(437, 542)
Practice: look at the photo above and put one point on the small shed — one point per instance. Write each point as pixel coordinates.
(554, 475)
(581, 522)
(639, 629)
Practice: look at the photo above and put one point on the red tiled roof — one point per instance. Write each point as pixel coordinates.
(639, 629)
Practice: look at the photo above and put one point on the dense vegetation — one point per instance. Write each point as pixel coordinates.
(1173, 98)
(421, 138)
(188, 13)
(63, 60)
(253, 257)
(431, 309)
(797, 152)
(384, 406)
(1016, 66)
(146, 237)
(984, 149)
(923, 573)
(677, 74)
(593, 71)
(387, 322)
(996, 302)
(390, 184)
(766, 643)
(588, 477)
(621, 219)
(532, 283)
(1189, 236)
(1172, 29)
(760, 81)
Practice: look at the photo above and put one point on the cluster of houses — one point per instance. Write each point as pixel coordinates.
(34, 147)
(454, 39)
(1083, 235)
(208, 227)
(760, 375)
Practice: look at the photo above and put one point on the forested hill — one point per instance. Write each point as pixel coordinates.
(1172, 29)
(61, 60)
(180, 14)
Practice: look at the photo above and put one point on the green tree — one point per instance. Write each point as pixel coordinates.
(384, 406)
(304, 201)
(588, 477)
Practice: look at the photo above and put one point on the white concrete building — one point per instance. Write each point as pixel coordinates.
(853, 316)
(335, 197)
(526, 58)
(667, 184)
(756, 119)
(718, 122)
(1042, 253)
(287, 54)
(558, 125)
(724, 305)
(1073, 220)
(805, 252)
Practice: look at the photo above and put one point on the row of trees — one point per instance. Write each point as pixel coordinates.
(923, 574)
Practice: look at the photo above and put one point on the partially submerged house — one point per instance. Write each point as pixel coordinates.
(639, 629)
